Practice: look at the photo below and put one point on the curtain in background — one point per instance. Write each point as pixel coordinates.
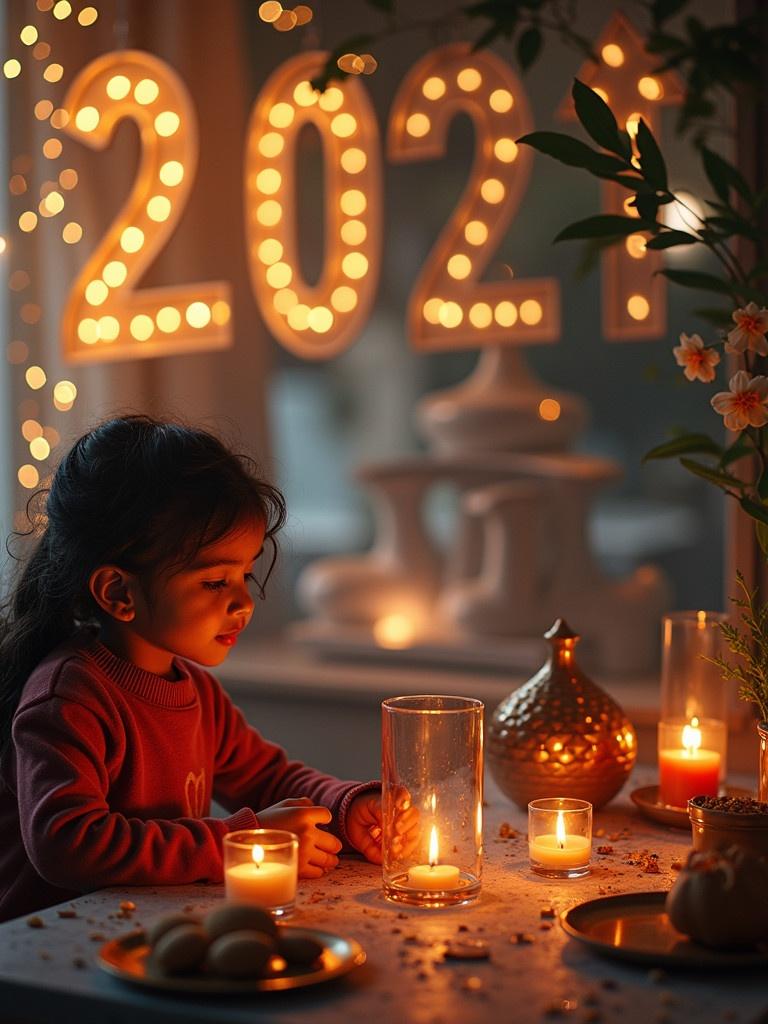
(205, 43)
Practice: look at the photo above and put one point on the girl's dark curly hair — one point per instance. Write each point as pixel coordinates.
(136, 492)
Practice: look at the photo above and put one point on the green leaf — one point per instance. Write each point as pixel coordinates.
(718, 317)
(528, 47)
(697, 279)
(647, 205)
(574, 153)
(602, 224)
(651, 161)
(714, 476)
(723, 176)
(669, 238)
(756, 509)
(740, 448)
(734, 225)
(597, 118)
(686, 444)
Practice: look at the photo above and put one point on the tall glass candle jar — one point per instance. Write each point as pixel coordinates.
(261, 866)
(693, 730)
(432, 762)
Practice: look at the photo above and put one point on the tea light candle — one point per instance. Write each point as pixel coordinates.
(688, 771)
(434, 876)
(261, 866)
(555, 849)
(268, 884)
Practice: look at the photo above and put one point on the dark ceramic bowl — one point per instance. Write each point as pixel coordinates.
(717, 829)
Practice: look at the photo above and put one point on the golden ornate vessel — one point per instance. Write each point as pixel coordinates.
(559, 734)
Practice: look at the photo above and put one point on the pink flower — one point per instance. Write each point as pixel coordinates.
(699, 362)
(744, 405)
(749, 332)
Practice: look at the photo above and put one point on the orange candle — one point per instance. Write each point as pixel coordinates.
(688, 771)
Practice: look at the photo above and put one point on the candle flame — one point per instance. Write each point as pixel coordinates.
(433, 848)
(560, 830)
(691, 737)
(257, 852)
(701, 619)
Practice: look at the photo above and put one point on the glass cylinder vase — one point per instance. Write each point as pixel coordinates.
(432, 793)
(261, 867)
(694, 706)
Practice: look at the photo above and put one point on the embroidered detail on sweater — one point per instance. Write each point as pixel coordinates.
(194, 794)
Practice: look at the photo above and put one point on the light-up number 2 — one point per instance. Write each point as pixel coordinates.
(449, 306)
(105, 317)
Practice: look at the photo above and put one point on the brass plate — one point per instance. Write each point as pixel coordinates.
(126, 958)
(635, 927)
(647, 800)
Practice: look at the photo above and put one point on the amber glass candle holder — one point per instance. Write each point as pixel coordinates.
(432, 762)
(261, 866)
(560, 837)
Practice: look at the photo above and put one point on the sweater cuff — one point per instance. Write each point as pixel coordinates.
(346, 800)
(244, 818)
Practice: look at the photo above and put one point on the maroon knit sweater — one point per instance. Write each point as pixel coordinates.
(111, 772)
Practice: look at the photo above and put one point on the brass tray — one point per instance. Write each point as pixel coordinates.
(635, 927)
(647, 801)
(126, 958)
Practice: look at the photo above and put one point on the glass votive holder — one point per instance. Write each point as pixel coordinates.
(560, 837)
(261, 866)
(691, 759)
(432, 796)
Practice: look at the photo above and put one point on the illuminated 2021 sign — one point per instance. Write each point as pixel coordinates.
(106, 316)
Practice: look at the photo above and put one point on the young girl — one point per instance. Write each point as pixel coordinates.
(112, 739)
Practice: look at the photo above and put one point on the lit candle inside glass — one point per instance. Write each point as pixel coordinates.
(688, 771)
(433, 875)
(559, 850)
(268, 884)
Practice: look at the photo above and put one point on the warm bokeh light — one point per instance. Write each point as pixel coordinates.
(167, 123)
(613, 55)
(72, 232)
(352, 202)
(450, 314)
(433, 88)
(469, 79)
(53, 73)
(281, 115)
(635, 246)
(343, 126)
(39, 449)
(28, 221)
(459, 266)
(549, 409)
(505, 313)
(271, 144)
(168, 319)
(531, 312)
(492, 190)
(35, 377)
(87, 16)
(344, 299)
(28, 477)
(171, 173)
(131, 239)
(118, 87)
(353, 232)
(198, 314)
(331, 99)
(115, 273)
(96, 293)
(30, 429)
(353, 160)
(87, 119)
(146, 92)
(43, 110)
(418, 125)
(52, 149)
(476, 232)
(505, 150)
(65, 392)
(394, 631)
(62, 9)
(650, 88)
(269, 213)
(28, 35)
(142, 327)
(638, 307)
(480, 315)
(501, 100)
(354, 265)
(270, 10)
(270, 251)
(108, 328)
(431, 310)
(279, 275)
(12, 68)
(159, 208)
(320, 319)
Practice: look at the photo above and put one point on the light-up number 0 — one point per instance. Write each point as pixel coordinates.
(105, 316)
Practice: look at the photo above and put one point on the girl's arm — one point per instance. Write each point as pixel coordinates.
(72, 838)
(251, 771)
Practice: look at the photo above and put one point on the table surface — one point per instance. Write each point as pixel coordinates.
(50, 973)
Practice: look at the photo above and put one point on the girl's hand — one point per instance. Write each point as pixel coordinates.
(317, 849)
(364, 825)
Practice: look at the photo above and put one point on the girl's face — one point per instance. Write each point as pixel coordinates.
(196, 612)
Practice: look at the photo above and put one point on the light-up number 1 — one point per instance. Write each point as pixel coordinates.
(105, 316)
